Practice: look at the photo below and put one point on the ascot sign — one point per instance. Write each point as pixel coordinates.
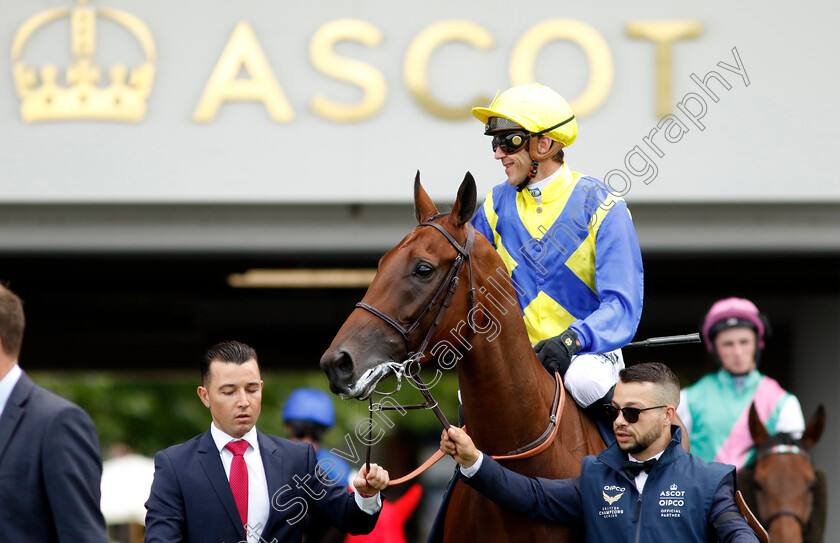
(81, 97)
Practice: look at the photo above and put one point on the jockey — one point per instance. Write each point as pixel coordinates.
(715, 409)
(307, 414)
(568, 243)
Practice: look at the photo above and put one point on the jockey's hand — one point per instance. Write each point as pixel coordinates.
(555, 353)
(456, 443)
(371, 482)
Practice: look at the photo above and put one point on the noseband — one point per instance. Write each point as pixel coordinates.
(784, 445)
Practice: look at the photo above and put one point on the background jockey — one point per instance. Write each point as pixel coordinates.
(715, 409)
(307, 414)
(568, 243)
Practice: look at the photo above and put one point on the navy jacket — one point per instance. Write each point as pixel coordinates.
(50, 470)
(191, 500)
(682, 498)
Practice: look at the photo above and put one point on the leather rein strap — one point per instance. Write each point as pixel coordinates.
(532, 449)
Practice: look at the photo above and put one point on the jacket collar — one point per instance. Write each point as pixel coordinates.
(14, 410)
(612, 456)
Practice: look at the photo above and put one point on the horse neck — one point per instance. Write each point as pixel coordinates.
(506, 393)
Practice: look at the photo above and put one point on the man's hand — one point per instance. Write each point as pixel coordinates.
(370, 483)
(459, 446)
(556, 353)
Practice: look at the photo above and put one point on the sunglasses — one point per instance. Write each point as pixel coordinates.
(631, 414)
(510, 142)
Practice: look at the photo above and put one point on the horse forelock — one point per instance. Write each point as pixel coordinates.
(782, 443)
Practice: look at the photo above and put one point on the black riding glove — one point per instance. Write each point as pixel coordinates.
(555, 353)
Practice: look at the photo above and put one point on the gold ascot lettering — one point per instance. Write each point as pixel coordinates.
(664, 34)
(420, 51)
(597, 52)
(243, 51)
(371, 80)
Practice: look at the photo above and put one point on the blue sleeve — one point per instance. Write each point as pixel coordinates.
(552, 500)
(165, 514)
(73, 477)
(735, 529)
(619, 281)
(333, 501)
(479, 221)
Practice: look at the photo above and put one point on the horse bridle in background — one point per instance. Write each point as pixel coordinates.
(785, 447)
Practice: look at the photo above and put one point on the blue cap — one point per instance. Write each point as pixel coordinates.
(310, 404)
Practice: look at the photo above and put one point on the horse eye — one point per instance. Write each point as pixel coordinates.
(423, 270)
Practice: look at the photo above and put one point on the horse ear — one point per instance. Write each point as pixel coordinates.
(815, 427)
(423, 205)
(464, 206)
(757, 430)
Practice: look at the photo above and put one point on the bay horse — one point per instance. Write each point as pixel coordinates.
(507, 395)
(783, 486)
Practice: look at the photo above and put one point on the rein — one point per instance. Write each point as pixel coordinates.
(446, 291)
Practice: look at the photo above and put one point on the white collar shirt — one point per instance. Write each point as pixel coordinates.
(641, 478)
(7, 384)
(258, 499)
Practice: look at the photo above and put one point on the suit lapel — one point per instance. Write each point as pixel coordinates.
(273, 466)
(14, 411)
(208, 457)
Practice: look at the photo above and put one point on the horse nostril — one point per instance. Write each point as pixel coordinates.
(344, 364)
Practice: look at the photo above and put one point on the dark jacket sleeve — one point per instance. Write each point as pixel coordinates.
(734, 529)
(334, 502)
(553, 500)
(165, 512)
(73, 477)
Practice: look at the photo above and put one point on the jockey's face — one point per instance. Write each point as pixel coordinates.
(736, 349)
(518, 163)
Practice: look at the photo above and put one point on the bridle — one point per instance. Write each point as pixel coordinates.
(446, 291)
(785, 445)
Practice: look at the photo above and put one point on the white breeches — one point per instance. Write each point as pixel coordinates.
(591, 376)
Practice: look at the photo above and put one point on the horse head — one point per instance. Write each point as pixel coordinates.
(785, 482)
(405, 300)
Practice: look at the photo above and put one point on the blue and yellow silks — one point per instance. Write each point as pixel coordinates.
(576, 264)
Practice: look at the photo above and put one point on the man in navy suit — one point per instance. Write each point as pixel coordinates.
(198, 496)
(50, 469)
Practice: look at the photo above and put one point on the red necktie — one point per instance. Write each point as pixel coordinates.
(239, 478)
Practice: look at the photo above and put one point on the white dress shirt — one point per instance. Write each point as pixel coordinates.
(259, 502)
(258, 499)
(7, 383)
(641, 478)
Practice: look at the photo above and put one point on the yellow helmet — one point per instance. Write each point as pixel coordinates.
(534, 107)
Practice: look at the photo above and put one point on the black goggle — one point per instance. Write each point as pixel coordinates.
(302, 431)
(631, 414)
(510, 142)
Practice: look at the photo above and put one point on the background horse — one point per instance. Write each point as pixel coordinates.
(506, 393)
(787, 495)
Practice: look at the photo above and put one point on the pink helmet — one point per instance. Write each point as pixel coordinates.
(732, 313)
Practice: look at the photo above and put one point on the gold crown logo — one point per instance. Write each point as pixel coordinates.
(44, 99)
